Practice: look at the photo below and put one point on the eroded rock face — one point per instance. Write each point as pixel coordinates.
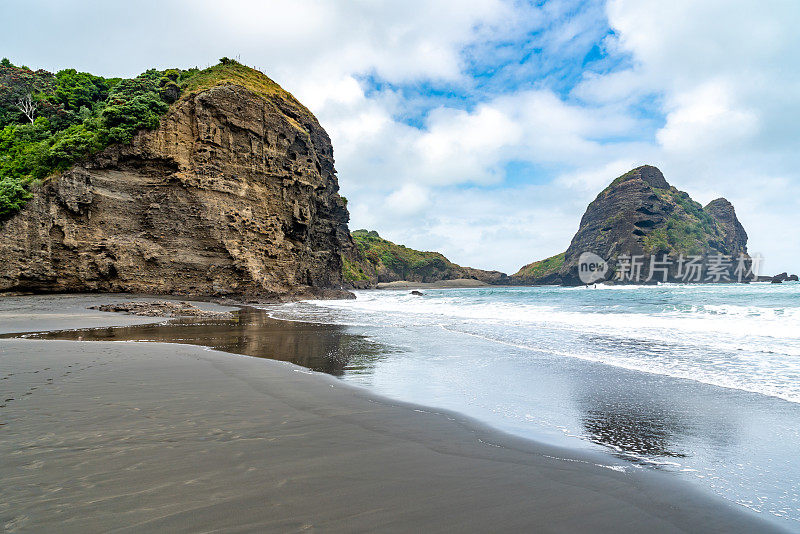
(233, 195)
(734, 235)
(640, 214)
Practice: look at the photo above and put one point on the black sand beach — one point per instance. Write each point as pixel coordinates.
(143, 437)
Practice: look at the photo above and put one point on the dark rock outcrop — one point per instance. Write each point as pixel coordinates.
(783, 277)
(235, 194)
(640, 214)
(162, 308)
(734, 236)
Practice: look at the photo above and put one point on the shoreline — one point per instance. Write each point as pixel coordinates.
(182, 437)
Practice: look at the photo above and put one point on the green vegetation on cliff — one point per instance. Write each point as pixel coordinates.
(541, 268)
(376, 259)
(688, 230)
(406, 263)
(352, 271)
(48, 122)
(233, 72)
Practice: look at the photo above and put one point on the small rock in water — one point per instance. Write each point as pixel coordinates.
(778, 278)
(417, 293)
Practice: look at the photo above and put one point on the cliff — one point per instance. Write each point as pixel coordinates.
(734, 236)
(641, 214)
(233, 194)
(373, 260)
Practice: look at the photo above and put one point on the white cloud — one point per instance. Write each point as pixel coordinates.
(410, 199)
(491, 229)
(591, 180)
(456, 146)
(705, 119)
(307, 45)
(396, 40)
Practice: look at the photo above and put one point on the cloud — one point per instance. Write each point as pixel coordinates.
(457, 146)
(489, 231)
(410, 199)
(705, 119)
(396, 40)
(595, 179)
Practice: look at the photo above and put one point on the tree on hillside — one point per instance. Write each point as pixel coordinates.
(27, 106)
(24, 94)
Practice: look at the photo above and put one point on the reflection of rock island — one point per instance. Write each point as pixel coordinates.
(637, 432)
(325, 348)
(651, 416)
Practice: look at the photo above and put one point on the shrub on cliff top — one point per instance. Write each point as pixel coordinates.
(49, 121)
(12, 197)
(231, 71)
(543, 267)
(406, 262)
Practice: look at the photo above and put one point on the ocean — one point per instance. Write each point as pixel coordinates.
(701, 381)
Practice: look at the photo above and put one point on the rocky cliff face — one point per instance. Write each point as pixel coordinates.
(639, 213)
(235, 194)
(733, 235)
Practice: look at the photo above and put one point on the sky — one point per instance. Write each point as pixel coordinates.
(483, 128)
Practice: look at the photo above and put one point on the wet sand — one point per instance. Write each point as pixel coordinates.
(320, 347)
(36, 313)
(142, 437)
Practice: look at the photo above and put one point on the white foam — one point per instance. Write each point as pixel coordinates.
(752, 345)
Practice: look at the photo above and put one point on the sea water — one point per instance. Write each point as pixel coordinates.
(702, 381)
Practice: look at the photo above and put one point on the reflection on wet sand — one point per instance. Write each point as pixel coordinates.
(325, 348)
(631, 430)
(624, 417)
(651, 417)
